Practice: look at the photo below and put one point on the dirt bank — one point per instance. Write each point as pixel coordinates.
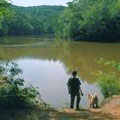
(110, 111)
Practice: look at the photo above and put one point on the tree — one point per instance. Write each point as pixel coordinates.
(108, 80)
(30, 20)
(4, 11)
(13, 92)
(90, 20)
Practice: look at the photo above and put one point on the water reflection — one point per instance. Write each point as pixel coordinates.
(80, 56)
(49, 64)
(51, 77)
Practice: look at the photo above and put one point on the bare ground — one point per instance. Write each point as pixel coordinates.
(110, 111)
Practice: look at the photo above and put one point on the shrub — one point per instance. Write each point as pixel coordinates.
(13, 92)
(108, 80)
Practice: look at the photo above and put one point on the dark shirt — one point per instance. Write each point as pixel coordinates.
(74, 85)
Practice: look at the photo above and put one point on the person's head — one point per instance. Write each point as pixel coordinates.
(74, 73)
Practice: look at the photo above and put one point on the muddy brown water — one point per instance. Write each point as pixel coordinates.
(47, 63)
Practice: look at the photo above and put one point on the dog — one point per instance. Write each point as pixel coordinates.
(93, 100)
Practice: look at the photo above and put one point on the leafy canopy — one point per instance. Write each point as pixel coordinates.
(90, 20)
(109, 80)
(14, 92)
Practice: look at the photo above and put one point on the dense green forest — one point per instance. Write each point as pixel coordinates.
(90, 20)
(29, 20)
(81, 20)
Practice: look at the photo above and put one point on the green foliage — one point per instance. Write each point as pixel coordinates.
(30, 20)
(109, 81)
(4, 11)
(90, 20)
(3, 7)
(13, 92)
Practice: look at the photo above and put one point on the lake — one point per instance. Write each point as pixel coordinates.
(47, 63)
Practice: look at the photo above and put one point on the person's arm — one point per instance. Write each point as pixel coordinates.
(81, 92)
(80, 88)
(68, 89)
(68, 86)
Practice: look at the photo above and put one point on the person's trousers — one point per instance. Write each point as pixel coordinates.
(73, 99)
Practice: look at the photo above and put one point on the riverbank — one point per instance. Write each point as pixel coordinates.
(109, 111)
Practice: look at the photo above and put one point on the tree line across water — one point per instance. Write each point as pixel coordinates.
(29, 20)
(91, 20)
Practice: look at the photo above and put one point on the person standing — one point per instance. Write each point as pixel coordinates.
(74, 90)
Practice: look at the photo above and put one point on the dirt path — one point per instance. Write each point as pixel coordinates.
(110, 111)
